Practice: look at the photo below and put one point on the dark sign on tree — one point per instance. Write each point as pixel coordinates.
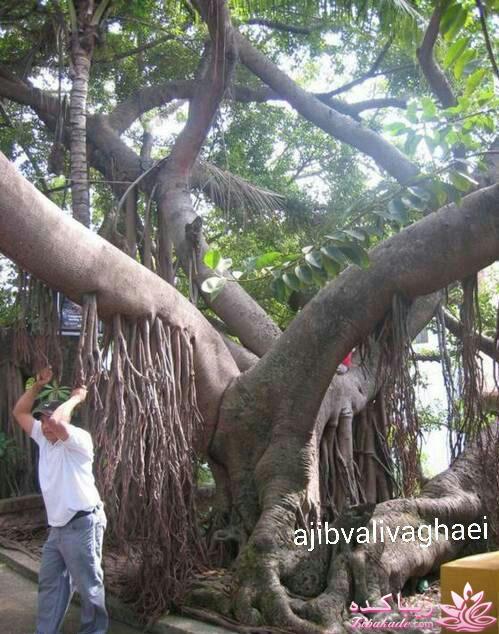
(70, 316)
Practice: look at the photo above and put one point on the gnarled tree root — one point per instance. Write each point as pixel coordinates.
(265, 593)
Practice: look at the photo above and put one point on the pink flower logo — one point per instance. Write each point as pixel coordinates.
(467, 614)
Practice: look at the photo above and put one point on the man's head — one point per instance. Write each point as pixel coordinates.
(43, 413)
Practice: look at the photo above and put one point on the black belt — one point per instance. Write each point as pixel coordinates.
(82, 514)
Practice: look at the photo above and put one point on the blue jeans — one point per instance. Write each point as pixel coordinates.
(71, 559)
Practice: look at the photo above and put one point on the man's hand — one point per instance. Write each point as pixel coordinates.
(44, 376)
(79, 393)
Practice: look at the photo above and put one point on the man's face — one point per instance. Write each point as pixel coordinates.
(49, 435)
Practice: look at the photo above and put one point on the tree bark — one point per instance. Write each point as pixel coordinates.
(36, 235)
(277, 443)
(82, 45)
(116, 161)
(434, 75)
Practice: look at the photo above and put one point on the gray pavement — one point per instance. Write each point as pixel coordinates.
(18, 597)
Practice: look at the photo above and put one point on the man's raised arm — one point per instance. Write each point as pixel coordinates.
(62, 415)
(24, 406)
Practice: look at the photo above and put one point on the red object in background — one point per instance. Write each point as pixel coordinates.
(348, 359)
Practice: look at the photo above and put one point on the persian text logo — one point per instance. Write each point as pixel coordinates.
(410, 615)
(468, 614)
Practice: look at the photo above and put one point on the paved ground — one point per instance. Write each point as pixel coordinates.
(18, 607)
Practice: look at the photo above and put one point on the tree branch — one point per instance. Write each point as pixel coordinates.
(372, 72)
(58, 250)
(43, 103)
(173, 197)
(133, 51)
(128, 111)
(431, 70)
(440, 248)
(120, 165)
(335, 124)
(246, 94)
(487, 345)
(209, 89)
(485, 32)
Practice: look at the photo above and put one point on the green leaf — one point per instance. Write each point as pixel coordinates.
(453, 21)
(415, 201)
(412, 142)
(420, 192)
(279, 289)
(304, 274)
(448, 16)
(465, 58)
(412, 113)
(429, 108)
(291, 281)
(453, 193)
(213, 286)
(211, 258)
(335, 254)
(223, 265)
(267, 259)
(398, 211)
(455, 51)
(487, 122)
(461, 181)
(320, 276)
(474, 81)
(396, 128)
(439, 191)
(485, 96)
(356, 234)
(452, 137)
(314, 259)
(356, 254)
(332, 267)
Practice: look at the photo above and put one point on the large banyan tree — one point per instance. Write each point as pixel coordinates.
(212, 377)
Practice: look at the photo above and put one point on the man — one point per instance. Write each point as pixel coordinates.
(72, 553)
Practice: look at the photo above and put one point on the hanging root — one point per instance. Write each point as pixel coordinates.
(36, 341)
(471, 387)
(89, 368)
(404, 430)
(144, 437)
(448, 373)
(374, 465)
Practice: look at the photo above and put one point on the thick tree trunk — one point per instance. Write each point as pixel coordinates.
(307, 588)
(268, 460)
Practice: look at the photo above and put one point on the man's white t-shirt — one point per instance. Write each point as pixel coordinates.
(65, 474)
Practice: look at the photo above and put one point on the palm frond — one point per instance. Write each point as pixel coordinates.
(321, 8)
(230, 191)
(403, 6)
